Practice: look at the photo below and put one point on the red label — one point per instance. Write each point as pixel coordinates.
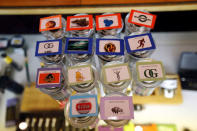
(110, 21)
(142, 18)
(49, 78)
(81, 22)
(84, 107)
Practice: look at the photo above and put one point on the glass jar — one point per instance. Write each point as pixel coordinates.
(112, 32)
(79, 122)
(144, 88)
(103, 59)
(57, 93)
(133, 28)
(86, 87)
(53, 59)
(81, 58)
(116, 123)
(133, 57)
(116, 86)
(56, 33)
(83, 33)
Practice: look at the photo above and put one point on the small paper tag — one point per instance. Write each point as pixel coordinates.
(3, 44)
(80, 75)
(79, 45)
(50, 23)
(85, 105)
(116, 108)
(116, 73)
(110, 21)
(109, 47)
(150, 71)
(139, 42)
(48, 77)
(16, 41)
(82, 22)
(142, 18)
(49, 47)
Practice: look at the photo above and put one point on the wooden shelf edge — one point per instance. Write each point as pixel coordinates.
(96, 9)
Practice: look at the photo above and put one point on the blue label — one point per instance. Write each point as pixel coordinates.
(49, 47)
(109, 46)
(139, 42)
(78, 45)
(83, 106)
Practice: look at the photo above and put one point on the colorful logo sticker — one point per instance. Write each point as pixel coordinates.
(82, 22)
(48, 77)
(110, 21)
(139, 42)
(49, 47)
(80, 74)
(79, 45)
(85, 105)
(50, 23)
(117, 108)
(116, 73)
(109, 47)
(150, 71)
(142, 18)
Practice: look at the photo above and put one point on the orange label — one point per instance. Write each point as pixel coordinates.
(49, 78)
(81, 22)
(50, 23)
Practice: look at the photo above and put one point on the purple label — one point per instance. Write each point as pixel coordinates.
(106, 128)
(117, 108)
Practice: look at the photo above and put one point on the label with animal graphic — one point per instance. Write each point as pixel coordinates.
(50, 23)
(116, 73)
(142, 18)
(116, 108)
(108, 21)
(139, 42)
(150, 71)
(80, 75)
(78, 45)
(109, 46)
(49, 47)
(81, 22)
(48, 77)
(83, 105)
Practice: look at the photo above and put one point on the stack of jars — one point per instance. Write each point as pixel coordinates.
(85, 61)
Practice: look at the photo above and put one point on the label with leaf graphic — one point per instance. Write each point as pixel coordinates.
(48, 77)
(108, 21)
(150, 71)
(116, 108)
(139, 42)
(83, 105)
(109, 46)
(116, 73)
(80, 75)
